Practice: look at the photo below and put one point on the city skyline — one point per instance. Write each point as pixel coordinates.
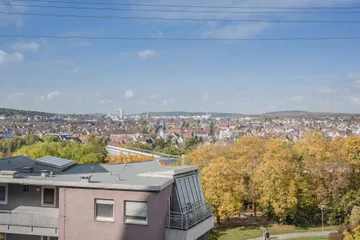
(248, 77)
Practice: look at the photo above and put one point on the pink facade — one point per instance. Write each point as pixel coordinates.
(76, 215)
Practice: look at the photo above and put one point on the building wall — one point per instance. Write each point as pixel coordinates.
(21, 237)
(77, 215)
(16, 197)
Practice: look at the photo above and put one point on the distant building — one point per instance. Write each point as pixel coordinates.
(121, 113)
(225, 134)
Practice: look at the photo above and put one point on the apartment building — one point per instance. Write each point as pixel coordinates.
(56, 199)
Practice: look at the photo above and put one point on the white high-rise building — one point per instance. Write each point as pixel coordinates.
(121, 113)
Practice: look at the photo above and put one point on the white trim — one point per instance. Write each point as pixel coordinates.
(107, 202)
(42, 196)
(6, 193)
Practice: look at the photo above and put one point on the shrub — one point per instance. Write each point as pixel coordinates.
(336, 236)
(355, 215)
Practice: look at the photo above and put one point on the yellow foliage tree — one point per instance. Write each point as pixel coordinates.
(222, 184)
(128, 158)
(277, 178)
(205, 154)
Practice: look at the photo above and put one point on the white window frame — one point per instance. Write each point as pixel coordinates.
(6, 193)
(42, 196)
(134, 221)
(107, 202)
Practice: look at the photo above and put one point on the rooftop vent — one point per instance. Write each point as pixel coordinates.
(85, 178)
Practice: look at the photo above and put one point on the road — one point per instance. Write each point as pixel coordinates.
(296, 235)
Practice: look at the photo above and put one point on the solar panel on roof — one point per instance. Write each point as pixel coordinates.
(56, 162)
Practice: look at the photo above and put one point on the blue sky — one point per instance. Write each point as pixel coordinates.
(78, 76)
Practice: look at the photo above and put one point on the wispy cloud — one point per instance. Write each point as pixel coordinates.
(29, 46)
(155, 96)
(147, 54)
(51, 95)
(165, 102)
(235, 30)
(326, 90)
(96, 94)
(81, 44)
(355, 100)
(106, 101)
(206, 96)
(8, 58)
(129, 94)
(75, 70)
(297, 98)
(142, 103)
(17, 94)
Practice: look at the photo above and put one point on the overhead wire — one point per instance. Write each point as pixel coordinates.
(176, 19)
(179, 38)
(181, 6)
(175, 10)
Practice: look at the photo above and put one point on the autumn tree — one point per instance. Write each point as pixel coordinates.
(277, 179)
(128, 158)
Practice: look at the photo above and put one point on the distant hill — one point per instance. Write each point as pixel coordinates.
(287, 113)
(11, 112)
(183, 113)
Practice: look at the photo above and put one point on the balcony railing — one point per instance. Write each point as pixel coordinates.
(188, 219)
(24, 219)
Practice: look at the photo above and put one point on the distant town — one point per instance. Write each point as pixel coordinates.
(120, 128)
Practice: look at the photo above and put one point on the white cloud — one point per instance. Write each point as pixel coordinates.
(206, 96)
(221, 102)
(155, 96)
(78, 98)
(75, 70)
(17, 94)
(8, 58)
(297, 98)
(110, 101)
(25, 46)
(102, 101)
(146, 54)
(165, 102)
(142, 103)
(51, 95)
(96, 94)
(81, 44)
(129, 94)
(355, 100)
(326, 90)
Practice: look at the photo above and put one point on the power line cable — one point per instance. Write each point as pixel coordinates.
(176, 10)
(180, 38)
(182, 6)
(176, 19)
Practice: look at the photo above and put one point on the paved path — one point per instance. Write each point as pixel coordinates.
(296, 235)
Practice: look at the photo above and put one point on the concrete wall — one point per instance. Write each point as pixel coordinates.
(77, 215)
(21, 237)
(16, 197)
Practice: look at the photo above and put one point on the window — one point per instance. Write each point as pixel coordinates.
(26, 188)
(2, 236)
(48, 196)
(104, 210)
(3, 193)
(135, 212)
(48, 238)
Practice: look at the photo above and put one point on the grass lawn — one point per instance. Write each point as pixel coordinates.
(244, 233)
(311, 238)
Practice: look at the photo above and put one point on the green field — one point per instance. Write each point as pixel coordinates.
(244, 233)
(311, 238)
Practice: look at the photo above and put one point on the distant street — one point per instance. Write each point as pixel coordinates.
(297, 235)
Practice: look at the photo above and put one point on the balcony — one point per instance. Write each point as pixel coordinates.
(30, 221)
(190, 225)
